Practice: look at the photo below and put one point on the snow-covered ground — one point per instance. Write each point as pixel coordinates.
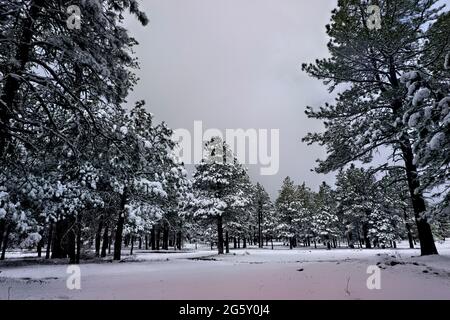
(244, 274)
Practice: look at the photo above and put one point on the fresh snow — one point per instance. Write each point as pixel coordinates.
(243, 274)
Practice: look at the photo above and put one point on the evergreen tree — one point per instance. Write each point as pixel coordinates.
(370, 112)
(219, 182)
(288, 209)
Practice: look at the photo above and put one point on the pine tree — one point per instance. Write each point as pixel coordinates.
(288, 209)
(324, 220)
(369, 113)
(219, 182)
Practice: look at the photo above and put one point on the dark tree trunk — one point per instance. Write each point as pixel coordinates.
(219, 234)
(366, 236)
(153, 238)
(239, 242)
(158, 238)
(165, 244)
(119, 228)
(98, 237)
(2, 230)
(71, 240)
(408, 230)
(60, 241)
(140, 243)
(427, 245)
(118, 237)
(227, 242)
(5, 242)
(350, 240)
(260, 238)
(106, 241)
(179, 240)
(146, 242)
(39, 247)
(49, 241)
(234, 243)
(79, 242)
(132, 245)
(244, 243)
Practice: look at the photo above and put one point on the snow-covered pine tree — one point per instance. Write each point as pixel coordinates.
(262, 209)
(303, 222)
(288, 208)
(394, 195)
(56, 86)
(324, 220)
(219, 183)
(428, 117)
(355, 192)
(369, 112)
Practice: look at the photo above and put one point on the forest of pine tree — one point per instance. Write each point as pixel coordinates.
(81, 175)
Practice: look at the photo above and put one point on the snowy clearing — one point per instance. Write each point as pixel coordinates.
(243, 274)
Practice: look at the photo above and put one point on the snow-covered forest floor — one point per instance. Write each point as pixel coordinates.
(243, 274)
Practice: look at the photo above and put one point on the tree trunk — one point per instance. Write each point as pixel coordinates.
(140, 243)
(106, 241)
(2, 230)
(118, 237)
(158, 238)
(59, 246)
(119, 229)
(219, 235)
(260, 238)
(71, 240)
(153, 238)
(227, 242)
(98, 237)
(366, 236)
(244, 243)
(165, 244)
(179, 240)
(39, 247)
(49, 241)
(234, 243)
(146, 242)
(79, 241)
(427, 245)
(132, 245)
(5, 241)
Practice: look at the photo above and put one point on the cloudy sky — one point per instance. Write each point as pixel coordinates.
(236, 64)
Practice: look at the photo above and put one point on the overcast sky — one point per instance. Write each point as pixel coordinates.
(236, 64)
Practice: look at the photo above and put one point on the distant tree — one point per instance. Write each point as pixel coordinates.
(288, 208)
(324, 220)
(219, 183)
